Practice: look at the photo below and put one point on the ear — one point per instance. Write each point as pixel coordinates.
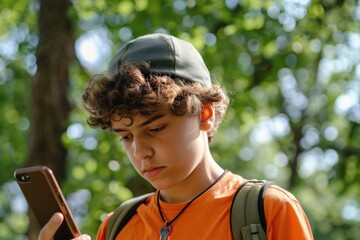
(207, 116)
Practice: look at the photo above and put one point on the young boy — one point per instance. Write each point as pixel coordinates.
(159, 99)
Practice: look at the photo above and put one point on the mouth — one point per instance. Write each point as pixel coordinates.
(152, 171)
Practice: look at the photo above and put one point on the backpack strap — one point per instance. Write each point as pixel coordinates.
(123, 214)
(247, 217)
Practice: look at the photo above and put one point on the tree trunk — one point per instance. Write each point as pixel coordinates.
(49, 90)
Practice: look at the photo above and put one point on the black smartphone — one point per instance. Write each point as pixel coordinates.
(44, 196)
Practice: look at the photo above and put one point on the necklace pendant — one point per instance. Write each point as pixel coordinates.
(165, 232)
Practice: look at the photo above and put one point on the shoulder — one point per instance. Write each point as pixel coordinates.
(278, 199)
(101, 234)
(122, 214)
(277, 194)
(273, 194)
(284, 215)
(232, 180)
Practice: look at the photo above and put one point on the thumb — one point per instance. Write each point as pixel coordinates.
(50, 228)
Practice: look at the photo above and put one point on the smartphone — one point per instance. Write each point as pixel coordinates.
(44, 196)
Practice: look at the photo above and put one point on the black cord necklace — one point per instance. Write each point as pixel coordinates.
(166, 229)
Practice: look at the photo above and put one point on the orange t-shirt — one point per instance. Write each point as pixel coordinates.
(208, 217)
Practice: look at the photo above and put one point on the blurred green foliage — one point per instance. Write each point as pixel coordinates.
(291, 68)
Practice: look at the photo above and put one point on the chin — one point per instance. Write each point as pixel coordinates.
(161, 185)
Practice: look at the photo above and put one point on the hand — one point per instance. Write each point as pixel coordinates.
(49, 230)
(83, 237)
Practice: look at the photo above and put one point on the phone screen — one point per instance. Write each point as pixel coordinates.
(45, 198)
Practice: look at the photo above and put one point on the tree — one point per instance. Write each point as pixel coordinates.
(49, 90)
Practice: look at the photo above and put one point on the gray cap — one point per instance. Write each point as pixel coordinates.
(166, 54)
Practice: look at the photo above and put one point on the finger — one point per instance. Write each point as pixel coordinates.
(83, 237)
(50, 228)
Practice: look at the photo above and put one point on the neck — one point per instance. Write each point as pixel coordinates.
(199, 180)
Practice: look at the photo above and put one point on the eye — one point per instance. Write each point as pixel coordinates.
(157, 129)
(125, 138)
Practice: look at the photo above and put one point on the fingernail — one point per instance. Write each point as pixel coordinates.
(85, 237)
(57, 218)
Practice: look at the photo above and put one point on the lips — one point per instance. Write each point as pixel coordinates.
(151, 172)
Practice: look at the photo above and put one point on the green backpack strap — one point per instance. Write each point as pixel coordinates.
(123, 214)
(247, 217)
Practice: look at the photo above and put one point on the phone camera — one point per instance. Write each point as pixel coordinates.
(24, 178)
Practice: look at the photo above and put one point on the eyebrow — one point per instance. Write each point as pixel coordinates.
(148, 121)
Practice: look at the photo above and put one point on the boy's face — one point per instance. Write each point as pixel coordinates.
(164, 148)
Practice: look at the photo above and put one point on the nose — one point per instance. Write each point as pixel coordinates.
(142, 149)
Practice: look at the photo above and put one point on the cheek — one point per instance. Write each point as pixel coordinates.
(130, 156)
(187, 150)
(136, 165)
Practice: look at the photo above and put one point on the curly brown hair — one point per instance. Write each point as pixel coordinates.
(133, 89)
